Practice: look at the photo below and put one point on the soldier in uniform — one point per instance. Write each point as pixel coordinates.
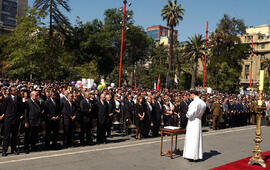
(253, 110)
(216, 111)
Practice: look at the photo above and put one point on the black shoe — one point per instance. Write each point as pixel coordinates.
(26, 151)
(16, 152)
(33, 149)
(4, 154)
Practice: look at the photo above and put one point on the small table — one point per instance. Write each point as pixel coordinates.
(172, 133)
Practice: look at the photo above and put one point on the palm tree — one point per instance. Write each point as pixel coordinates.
(194, 50)
(172, 13)
(55, 15)
(266, 65)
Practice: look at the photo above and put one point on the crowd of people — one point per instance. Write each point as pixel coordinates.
(29, 108)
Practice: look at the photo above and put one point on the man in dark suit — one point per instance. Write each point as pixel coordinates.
(32, 122)
(12, 110)
(80, 97)
(69, 114)
(110, 116)
(52, 113)
(183, 111)
(128, 112)
(156, 115)
(86, 119)
(102, 118)
(148, 117)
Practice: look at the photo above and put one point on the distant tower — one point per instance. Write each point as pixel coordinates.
(9, 10)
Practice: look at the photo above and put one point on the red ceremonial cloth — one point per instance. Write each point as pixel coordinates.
(243, 164)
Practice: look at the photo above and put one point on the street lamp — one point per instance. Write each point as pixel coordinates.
(122, 39)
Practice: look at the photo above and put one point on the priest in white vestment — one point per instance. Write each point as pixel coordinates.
(193, 138)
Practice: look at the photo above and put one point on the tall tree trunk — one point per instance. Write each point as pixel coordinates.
(194, 73)
(171, 49)
(131, 77)
(51, 29)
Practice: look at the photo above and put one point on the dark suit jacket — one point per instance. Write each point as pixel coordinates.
(157, 111)
(80, 98)
(12, 109)
(183, 108)
(148, 112)
(85, 115)
(32, 113)
(111, 107)
(102, 112)
(51, 109)
(68, 111)
(128, 108)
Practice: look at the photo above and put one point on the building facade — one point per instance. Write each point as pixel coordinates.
(261, 51)
(160, 33)
(9, 11)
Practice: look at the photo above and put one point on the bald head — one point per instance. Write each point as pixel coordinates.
(33, 95)
(102, 97)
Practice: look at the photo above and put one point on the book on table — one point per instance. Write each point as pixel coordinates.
(171, 127)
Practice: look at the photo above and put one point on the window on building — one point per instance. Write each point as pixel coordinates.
(247, 68)
(153, 34)
(250, 38)
(262, 57)
(262, 46)
(247, 76)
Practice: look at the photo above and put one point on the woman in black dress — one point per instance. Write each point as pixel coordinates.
(139, 112)
(1, 118)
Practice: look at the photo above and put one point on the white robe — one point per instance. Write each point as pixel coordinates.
(193, 138)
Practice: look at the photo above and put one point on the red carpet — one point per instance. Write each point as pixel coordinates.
(243, 164)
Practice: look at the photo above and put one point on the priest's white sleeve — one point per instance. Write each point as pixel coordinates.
(192, 109)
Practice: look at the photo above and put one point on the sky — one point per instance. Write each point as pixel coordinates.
(197, 12)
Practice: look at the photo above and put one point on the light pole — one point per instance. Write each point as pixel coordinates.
(251, 58)
(122, 41)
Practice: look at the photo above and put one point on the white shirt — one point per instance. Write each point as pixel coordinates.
(117, 104)
(13, 97)
(150, 107)
(53, 101)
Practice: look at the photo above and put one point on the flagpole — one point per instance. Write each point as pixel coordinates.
(204, 68)
(122, 43)
(135, 84)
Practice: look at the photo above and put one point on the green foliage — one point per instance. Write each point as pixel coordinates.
(227, 52)
(267, 85)
(25, 46)
(266, 65)
(58, 21)
(231, 26)
(172, 13)
(194, 51)
(158, 65)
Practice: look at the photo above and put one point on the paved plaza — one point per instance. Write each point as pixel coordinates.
(220, 147)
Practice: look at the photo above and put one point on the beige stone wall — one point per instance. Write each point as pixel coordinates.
(261, 48)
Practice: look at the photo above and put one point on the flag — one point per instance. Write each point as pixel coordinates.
(155, 85)
(167, 81)
(158, 84)
(135, 88)
(175, 79)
